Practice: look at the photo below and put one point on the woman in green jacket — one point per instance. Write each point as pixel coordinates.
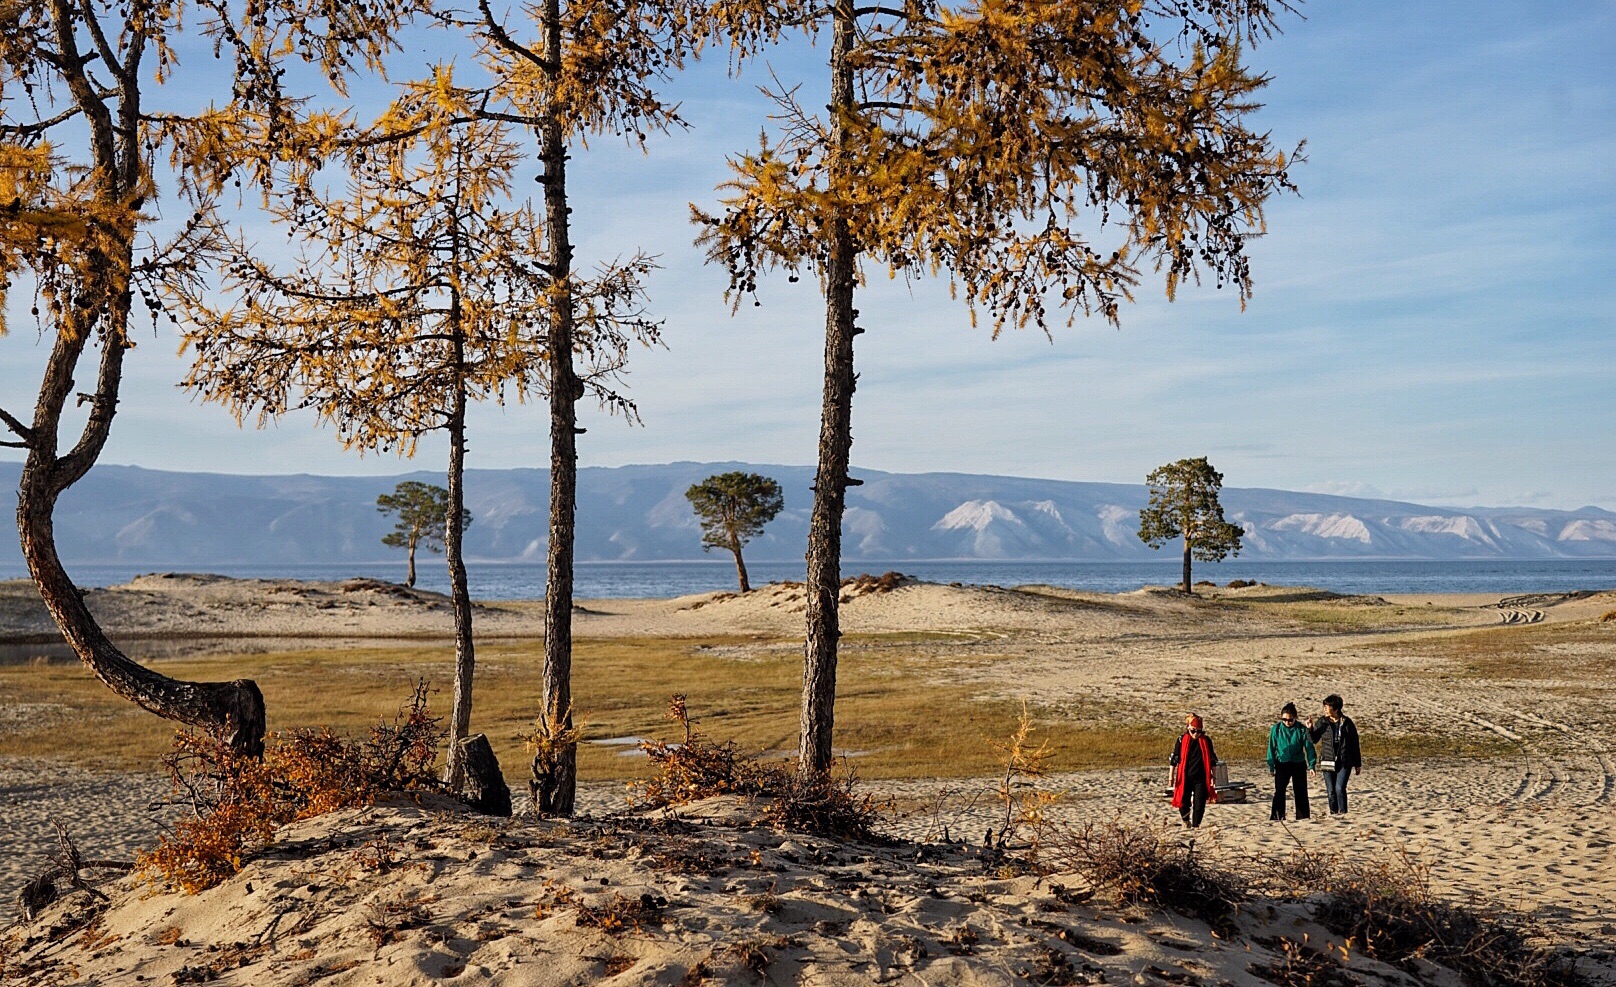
(1290, 757)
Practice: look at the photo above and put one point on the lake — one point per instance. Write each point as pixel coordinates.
(522, 581)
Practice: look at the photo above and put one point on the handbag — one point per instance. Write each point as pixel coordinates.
(1326, 765)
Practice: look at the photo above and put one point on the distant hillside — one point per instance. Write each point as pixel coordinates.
(127, 515)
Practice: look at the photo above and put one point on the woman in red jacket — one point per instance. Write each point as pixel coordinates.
(1192, 761)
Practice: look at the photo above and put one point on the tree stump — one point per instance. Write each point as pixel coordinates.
(484, 788)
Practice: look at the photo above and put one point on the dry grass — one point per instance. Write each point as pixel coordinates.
(1351, 614)
(1581, 650)
(897, 726)
(906, 704)
(1386, 908)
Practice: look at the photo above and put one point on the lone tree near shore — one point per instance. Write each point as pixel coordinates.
(734, 508)
(1040, 152)
(1184, 504)
(423, 519)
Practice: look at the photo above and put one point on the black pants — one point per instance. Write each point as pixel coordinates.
(1286, 773)
(1194, 806)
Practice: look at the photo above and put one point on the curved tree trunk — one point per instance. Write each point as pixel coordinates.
(233, 711)
(740, 564)
(98, 306)
(555, 773)
(409, 580)
(835, 448)
(454, 769)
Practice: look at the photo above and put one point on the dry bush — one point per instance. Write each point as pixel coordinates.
(1148, 866)
(549, 743)
(695, 767)
(826, 806)
(386, 918)
(1300, 965)
(757, 953)
(1385, 906)
(698, 768)
(866, 585)
(616, 915)
(1240, 583)
(1607, 616)
(239, 802)
(1025, 760)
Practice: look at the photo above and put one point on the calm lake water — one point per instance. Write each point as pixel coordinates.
(520, 581)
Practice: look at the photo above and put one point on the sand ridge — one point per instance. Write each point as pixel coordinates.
(408, 894)
(1534, 826)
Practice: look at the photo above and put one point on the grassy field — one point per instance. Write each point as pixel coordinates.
(1581, 651)
(899, 723)
(900, 711)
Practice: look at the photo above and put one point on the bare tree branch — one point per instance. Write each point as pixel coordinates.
(25, 130)
(108, 56)
(23, 431)
(878, 10)
(498, 33)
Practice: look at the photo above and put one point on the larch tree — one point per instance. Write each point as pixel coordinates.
(1039, 153)
(421, 512)
(733, 509)
(418, 290)
(572, 71)
(86, 166)
(1184, 504)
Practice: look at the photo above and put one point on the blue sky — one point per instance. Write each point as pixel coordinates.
(1432, 318)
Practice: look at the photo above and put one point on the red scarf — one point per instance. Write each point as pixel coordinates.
(1183, 759)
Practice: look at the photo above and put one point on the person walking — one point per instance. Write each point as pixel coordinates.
(1193, 759)
(1290, 757)
(1339, 755)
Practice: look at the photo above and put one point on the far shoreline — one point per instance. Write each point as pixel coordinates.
(516, 582)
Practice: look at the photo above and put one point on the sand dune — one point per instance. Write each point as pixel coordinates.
(463, 899)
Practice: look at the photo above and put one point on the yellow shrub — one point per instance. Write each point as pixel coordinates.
(239, 802)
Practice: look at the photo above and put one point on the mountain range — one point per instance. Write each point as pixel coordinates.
(133, 516)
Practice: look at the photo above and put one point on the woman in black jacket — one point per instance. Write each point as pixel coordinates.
(1339, 755)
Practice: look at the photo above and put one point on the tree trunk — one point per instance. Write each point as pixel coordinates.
(835, 448)
(233, 711)
(453, 538)
(99, 306)
(1186, 562)
(409, 580)
(740, 564)
(555, 780)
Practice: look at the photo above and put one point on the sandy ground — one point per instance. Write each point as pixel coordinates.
(1534, 828)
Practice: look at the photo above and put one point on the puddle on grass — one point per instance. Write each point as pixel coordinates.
(631, 745)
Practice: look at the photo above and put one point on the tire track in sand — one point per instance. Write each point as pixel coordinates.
(1540, 776)
(1584, 776)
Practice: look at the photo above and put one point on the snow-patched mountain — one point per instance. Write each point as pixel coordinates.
(122, 514)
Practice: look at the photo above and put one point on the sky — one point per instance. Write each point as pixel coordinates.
(1434, 317)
